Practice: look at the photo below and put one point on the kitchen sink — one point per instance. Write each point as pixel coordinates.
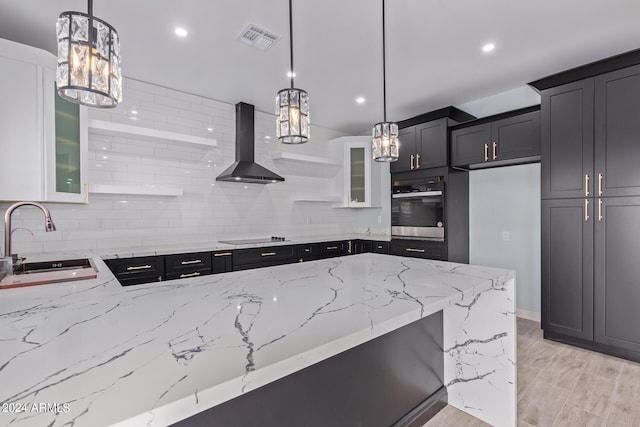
(45, 266)
(47, 272)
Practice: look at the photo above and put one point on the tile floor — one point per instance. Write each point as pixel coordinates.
(560, 385)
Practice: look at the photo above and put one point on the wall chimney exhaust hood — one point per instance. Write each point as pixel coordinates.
(245, 169)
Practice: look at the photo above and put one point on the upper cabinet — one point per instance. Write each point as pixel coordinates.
(422, 146)
(44, 142)
(497, 141)
(361, 174)
(590, 130)
(424, 140)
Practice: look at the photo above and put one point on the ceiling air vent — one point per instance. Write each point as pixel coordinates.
(257, 37)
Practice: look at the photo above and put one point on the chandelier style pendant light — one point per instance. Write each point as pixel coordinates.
(292, 105)
(384, 144)
(88, 60)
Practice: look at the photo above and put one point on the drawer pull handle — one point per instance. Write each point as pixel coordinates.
(486, 152)
(415, 250)
(268, 253)
(495, 156)
(183, 276)
(330, 248)
(307, 250)
(379, 246)
(222, 254)
(412, 168)
(417, 161)
(139, 267)
(195, 261)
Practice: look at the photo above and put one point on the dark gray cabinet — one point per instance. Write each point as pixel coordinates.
(617, 273)
(334, 249)
(135, 271)
(418, 249)
(244, 259)
(221, 261)
(497, 142)
(422, 146)
(567, 141)
(617, 133)
(380, 247)
(567, 267)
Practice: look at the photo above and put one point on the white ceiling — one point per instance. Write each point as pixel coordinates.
(434, 56)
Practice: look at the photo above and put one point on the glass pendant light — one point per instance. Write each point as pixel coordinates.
(292, 105)
(385, 143)
(88, 60)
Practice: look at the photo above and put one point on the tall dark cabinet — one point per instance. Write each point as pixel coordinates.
(590, 189)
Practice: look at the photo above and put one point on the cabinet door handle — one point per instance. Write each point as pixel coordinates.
(307, 250)
(412, 162)
(223, 254)
(194, 274)
(331, 248)
(267, 253)
(600, 184)
(195, 261)
(349, 246)
(600, 210)
(486, 152)
(379, 246)
(86, 192)
(139, 267)
(586, 185)
(415, 250)
(586, 209)
(495, 155)
(417, 161)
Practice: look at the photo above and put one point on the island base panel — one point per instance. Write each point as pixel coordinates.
(395, 379)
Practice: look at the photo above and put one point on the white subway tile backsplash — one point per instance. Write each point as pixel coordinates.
(171, 102)
(144, 87)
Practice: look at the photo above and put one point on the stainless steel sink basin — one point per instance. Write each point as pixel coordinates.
(41, 267)
(46, 272)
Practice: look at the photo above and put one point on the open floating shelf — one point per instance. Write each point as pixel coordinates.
(306, 165)
(144, 190)
(101, 127)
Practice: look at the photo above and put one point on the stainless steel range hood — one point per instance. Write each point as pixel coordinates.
(245, 169)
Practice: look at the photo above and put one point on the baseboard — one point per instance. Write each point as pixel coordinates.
(529, 315)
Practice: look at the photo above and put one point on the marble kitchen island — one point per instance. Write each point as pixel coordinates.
(100, 354)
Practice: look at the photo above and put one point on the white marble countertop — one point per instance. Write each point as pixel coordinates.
(157, 353)
(218, 246)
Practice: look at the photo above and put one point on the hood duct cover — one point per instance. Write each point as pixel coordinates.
(245, 169)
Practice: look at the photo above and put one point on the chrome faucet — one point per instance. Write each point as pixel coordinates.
(48, 224)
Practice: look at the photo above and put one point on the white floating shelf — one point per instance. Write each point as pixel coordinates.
(320, 199)
(102, 127)
(144, 190)
(305, 165)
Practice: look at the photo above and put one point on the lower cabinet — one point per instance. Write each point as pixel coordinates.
(361, 246)
(617, 274)
(307, 252)
(221, 261)
(244, 259)
(567, 267)
(380, 247)
(134, 271)
(591, 273)
(182, 266)
(419, 249)
(334, 249)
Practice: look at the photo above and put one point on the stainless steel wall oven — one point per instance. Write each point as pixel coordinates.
(417, 208)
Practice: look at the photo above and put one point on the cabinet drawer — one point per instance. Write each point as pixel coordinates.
(419, 249)
(133, 271)
(380, 247)
(180, 263)
(307, 252)
(333, 249)
(221, 261)
(266, 254)
(193, 272)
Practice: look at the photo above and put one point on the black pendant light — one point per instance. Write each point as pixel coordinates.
(88, 60)
(385, 143)
(292, 105)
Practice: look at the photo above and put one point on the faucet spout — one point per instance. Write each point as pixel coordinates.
(48, 223)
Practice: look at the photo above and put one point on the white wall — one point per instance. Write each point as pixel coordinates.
(209, 210)
(507, 200)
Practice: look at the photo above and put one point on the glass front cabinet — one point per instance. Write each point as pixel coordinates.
(361, 174)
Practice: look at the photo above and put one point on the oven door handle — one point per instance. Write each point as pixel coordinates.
(416, 194)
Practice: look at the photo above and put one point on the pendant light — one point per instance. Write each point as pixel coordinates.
(88, 60)
(384, 144)
(292, 105)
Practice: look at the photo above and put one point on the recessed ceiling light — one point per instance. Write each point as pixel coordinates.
(134, 112)
(488, 47)
(267, 137)
(210, 129)
(181, 32)
(289, 74)
(360, 100)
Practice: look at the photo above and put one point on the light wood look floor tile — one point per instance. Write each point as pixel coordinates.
(565, 386)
